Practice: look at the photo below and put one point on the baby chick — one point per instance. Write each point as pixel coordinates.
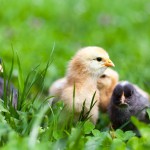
(127, 101)
(10, 91)
(83, 72)
(106, 84)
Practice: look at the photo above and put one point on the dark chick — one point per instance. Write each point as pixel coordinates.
(10, 91)
(127, 101)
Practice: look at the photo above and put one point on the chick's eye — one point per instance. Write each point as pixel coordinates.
(99, 59)
(103, 76)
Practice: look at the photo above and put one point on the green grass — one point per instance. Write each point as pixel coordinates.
(33, 28)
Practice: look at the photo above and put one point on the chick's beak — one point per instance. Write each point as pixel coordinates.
(123, 104)
(108, 63)
(123, 99)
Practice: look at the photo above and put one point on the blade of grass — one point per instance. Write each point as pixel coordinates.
(73, 106)
(20, 75)
(35, 128)
(84, 116)
(12, 67)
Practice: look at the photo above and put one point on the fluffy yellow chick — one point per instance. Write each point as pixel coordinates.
(106, 84)
(83, 71)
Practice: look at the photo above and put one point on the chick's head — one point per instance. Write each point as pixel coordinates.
(108, 79)
(122, 94)
(93, 60)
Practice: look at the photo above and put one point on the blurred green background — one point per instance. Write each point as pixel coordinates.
(33, 27)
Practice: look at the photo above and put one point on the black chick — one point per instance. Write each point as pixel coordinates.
(10, 91)
(127, 101)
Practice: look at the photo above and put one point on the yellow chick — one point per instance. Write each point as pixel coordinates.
(106, 84)
(83, 71)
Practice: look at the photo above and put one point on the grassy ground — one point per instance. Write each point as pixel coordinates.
(33, 28)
